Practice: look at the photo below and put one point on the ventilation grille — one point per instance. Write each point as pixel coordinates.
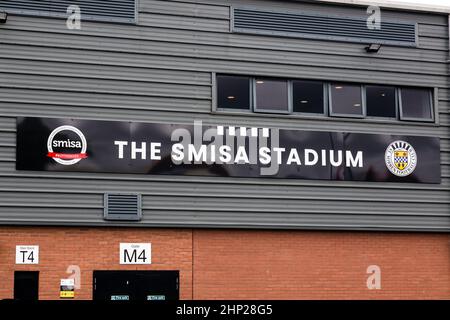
(315, 26)
(100, 10)
(122, 207)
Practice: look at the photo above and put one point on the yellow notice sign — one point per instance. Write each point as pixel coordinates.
(67, 289)
(67, 294)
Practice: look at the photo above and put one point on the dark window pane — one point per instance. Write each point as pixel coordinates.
(381, 101)
(233, 92)
(272, 95)
(346, 99)
(308, 96)
(416, 103)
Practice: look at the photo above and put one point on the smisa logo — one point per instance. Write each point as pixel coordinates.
(400, 158)
(67, 145)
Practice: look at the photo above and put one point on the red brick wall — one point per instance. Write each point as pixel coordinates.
(243, 264)
(91, 249)
(320, 265)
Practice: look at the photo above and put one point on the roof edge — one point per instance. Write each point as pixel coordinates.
(389, 4)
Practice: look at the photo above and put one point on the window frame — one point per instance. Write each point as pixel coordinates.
(346, 115)
(215, 96)
(432, 100)
(324, 104)
(289, 92)
(327, 115)
(397, 103)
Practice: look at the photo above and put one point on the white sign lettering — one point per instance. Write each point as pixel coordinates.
(67, 282)
(135, 253)
(27, 254)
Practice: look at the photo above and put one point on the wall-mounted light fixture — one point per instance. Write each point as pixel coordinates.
(373, 48)
(3, 16)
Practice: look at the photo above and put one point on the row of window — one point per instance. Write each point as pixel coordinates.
(323, 98)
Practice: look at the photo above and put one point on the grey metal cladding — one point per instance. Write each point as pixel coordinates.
(307, 25)
(119, 206)
(100, 10)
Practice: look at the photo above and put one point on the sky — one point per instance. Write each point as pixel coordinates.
(445, 3)
(442, 3)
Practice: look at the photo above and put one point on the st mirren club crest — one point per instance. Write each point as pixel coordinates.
(400, 158)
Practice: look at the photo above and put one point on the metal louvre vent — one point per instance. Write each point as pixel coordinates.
(122, 207)
(314, 26)
(100, 10)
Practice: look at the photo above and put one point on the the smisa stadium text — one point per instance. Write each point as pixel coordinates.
(224, 154)
(265, 155)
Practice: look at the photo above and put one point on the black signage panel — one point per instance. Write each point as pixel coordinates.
(45, 144)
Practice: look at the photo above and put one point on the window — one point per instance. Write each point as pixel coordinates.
(317, 98)
(233, 92)
(346, 100)
(271, 95)
(381, 101)
(416, 104)
(308, 96)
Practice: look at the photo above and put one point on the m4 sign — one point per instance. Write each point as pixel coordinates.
(135, 253)
(27, 254)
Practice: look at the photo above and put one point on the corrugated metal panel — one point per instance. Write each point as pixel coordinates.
(61, 69)
(274, 220)
(320, 7)
(58, 103)
(205, 52)
(228, 40)
(119, 206)
(321, 221)
(233, 65)
(153, 115)
(7, 139)
(182, 8)
(111, 10)
(434, 43)
(115, 87)
(316, 26)
(433, 31)
(180, 22)
(161, 188)
(445, 145)
(223, 188)
(39, 57)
